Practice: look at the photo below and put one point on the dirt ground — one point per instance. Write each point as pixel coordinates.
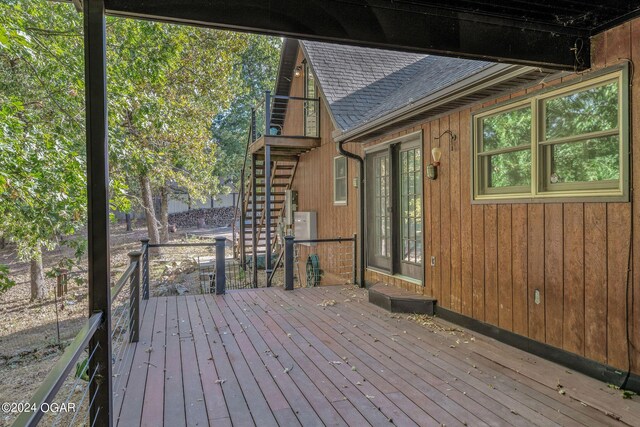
(29, 331)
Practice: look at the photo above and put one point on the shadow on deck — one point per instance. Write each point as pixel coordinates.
(325, 356)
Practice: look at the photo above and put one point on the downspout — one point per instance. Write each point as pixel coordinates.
(360, 161)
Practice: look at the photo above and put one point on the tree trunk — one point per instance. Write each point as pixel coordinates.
(164, 214)
(127, 218)
(38, 285)
(150, 214)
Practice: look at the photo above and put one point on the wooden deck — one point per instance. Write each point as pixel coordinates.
(325, 356)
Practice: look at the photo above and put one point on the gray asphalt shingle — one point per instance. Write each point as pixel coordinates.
(362, 84)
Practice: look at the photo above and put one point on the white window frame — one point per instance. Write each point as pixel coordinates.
(335, 181)
(540, 191)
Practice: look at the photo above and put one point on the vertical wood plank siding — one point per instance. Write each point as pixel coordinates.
(492, 258)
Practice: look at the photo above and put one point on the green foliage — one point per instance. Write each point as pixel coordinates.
(590, 110)
(82, 369)
(5, 280)
(507, 130)
(166, 84)
(580, 113)
(256, 69)
(42, 160)
(573, 115)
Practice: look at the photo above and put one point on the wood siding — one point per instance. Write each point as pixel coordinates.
(491, 259)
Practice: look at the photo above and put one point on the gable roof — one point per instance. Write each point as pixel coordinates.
(370, 92)
(362, 84)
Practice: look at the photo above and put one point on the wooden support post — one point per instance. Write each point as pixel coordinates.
(101, 411)
(61, 282)
(134, 297)
(267, 189)
(59, 285)
(221, 275)
(288, 263)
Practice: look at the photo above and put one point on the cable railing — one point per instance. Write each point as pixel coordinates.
(202, 266)
(68, 395)
(316, 262)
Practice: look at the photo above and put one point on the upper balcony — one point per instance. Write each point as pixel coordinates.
(288, 125)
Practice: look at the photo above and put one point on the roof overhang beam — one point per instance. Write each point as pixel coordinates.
(408, 26)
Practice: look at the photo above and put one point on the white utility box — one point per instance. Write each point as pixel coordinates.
(305, 226)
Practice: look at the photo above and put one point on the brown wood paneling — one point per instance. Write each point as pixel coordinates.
(491, 264)
(618, 255)
(445, 171)
(535, 271)
(436, 223)
(466, 248)
(454, 160)
(635, 146)
(490, 259)
(553, 273)
(595, 281)
(477, 218)
(505, 278)
(519, 257)
(598, 51)
(618, 43)
(573, 333)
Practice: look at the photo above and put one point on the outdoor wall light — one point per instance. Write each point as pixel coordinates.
(432, 168)
(436, 153)
(297, 71)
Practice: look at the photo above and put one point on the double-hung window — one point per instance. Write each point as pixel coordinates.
(570, 142)
(340, 180)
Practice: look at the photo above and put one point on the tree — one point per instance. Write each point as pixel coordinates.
(42, 167)
(257, 68)
(168, 83)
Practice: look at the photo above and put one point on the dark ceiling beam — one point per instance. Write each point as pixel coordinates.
(381, 23)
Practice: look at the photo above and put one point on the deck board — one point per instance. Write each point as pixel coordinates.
(221, 360)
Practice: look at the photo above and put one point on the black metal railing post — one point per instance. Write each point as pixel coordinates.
(145, 268)
(288, 263)
(134, 297)
(254, 222)
(355, 259)
(220, 267)
(267, 189)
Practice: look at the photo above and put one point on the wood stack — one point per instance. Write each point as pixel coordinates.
(213, 217)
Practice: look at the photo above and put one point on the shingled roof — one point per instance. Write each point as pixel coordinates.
(363, 84)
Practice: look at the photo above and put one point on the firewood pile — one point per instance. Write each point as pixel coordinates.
(213, 217)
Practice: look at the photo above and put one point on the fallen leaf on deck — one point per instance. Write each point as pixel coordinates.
(327, 303)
